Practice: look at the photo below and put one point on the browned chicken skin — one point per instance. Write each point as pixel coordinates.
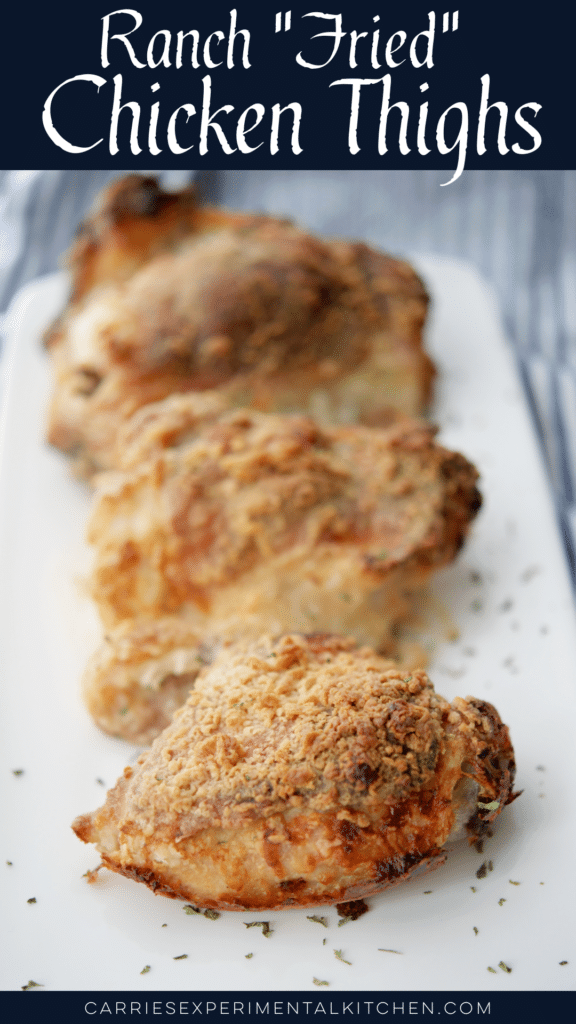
(303, 772)
(170, 297)
(242, 522)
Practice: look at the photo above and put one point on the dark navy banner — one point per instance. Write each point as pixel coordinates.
(336, 84)
(340, 1007)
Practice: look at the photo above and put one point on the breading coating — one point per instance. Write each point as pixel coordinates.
(141, 673)
(261, 522)
(303, 771)
(170, 297)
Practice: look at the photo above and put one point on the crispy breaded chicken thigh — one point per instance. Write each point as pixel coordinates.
(170, 297)
(223, 526)
(303, 772)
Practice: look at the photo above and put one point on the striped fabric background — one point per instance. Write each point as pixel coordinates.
(518, 228)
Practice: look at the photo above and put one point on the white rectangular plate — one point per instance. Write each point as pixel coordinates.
(510, 598)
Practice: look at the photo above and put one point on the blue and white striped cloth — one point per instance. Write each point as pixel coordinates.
(517, 227)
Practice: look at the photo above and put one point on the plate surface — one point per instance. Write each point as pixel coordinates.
(508, 595)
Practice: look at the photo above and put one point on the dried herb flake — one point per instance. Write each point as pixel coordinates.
(317, 981)
(390, 951)
(482, 870)
(189, 909)
(31, 984)
(264, 925)
(512, 882)
(475, 930)
(319, 920)
(501, 902)
(492, 971)
(17, 772)
(344, 920)
(474, 889)
(504, 967)
(212, 915)
(248, 956)
(563, 963)
(145, 969)
(183, 956)
(492, 806)
(31, 900)
(338, 955)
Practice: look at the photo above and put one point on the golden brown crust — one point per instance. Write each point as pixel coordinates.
(141, 674)
(170, 297)
(278, 521)
(132, 221)
(301, 772)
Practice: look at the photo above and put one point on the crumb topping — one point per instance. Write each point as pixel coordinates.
(296, 721)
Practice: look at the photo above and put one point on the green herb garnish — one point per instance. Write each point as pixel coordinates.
(249, 956)
(492, 971)
(317, 981)
(319, 920)
(31, 900)
(475, 930)
(264, 925)
(501, 902)
(212, 915)
(31, 984)
(183, 956)
(492, 806)
(344, 920)
(504, 967)
(338, 955)
(512, 882)
(145, 969)
(397, 951)
(19, 771)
